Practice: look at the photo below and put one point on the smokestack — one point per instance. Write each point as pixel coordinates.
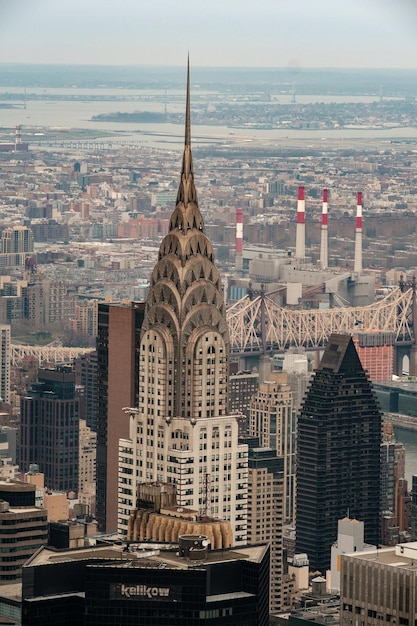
(357, 267)
(324, 257)
(300, 251)
(239, 241)
(18, 138)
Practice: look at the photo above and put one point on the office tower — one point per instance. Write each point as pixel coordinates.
(36, 301)
(87, 460)
(181, 431)
(403, 503)
(265, 504)
(117, 387)
(376, 352)
(378, 587)
(5, 356)
(23, 527)
(184, 584)
(389, 523)
(338, 453)
(8, 437)
(295, 364)
(59, 308)
(272, 419)
(394, 499)
(349, 539)
(86, 369)
(66, 534)
(83, 325)
(413, 508)
(242, 386)
(49, 429)
(16, 245)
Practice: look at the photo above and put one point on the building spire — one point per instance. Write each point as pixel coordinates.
(186, 215)
(188, 108)
(186, 191)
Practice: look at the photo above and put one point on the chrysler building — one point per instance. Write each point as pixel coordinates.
(181, 432)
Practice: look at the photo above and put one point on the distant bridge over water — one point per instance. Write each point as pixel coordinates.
(45, 354)
(259, 326)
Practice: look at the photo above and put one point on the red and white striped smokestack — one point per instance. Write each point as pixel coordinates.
(18, 138)
(300, 248)
(357, 266)
(324, 260)
(239, 240)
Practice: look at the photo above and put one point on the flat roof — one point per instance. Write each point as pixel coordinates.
(230, 596)
(11, 591)
(390, 556)
(144, 555)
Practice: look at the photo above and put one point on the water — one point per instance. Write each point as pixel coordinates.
(409, 439)
(69, 114)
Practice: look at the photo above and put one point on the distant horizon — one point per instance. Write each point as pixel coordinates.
(236, 33)
(293, 70)
(399, 82)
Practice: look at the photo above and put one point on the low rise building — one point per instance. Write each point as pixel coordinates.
(378, 587)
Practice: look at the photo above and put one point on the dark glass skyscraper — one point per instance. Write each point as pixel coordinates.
(338, 455)
(49, 428)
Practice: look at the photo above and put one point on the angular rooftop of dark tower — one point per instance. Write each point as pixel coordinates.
(340, 355)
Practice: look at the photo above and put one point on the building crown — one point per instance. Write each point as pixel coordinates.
(186, 215)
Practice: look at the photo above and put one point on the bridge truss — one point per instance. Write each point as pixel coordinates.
(259, 325)
(45, 354)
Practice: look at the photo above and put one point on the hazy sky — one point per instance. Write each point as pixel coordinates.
(277, 33)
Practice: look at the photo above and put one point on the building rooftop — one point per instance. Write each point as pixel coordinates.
(403, 555)
(11, 591)
(144, 555)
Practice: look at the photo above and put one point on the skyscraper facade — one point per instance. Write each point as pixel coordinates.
(272, 419)
(338, 453)
(181, 432)
(99, 586)
(23, 527)
(265, 491)
(118, 340)
(86, 377)
(16, 245)
(5, 334)
(49, 429)
(378, 586)
(414, 508)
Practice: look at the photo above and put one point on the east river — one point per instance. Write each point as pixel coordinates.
(409, 439)
(67, 114)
